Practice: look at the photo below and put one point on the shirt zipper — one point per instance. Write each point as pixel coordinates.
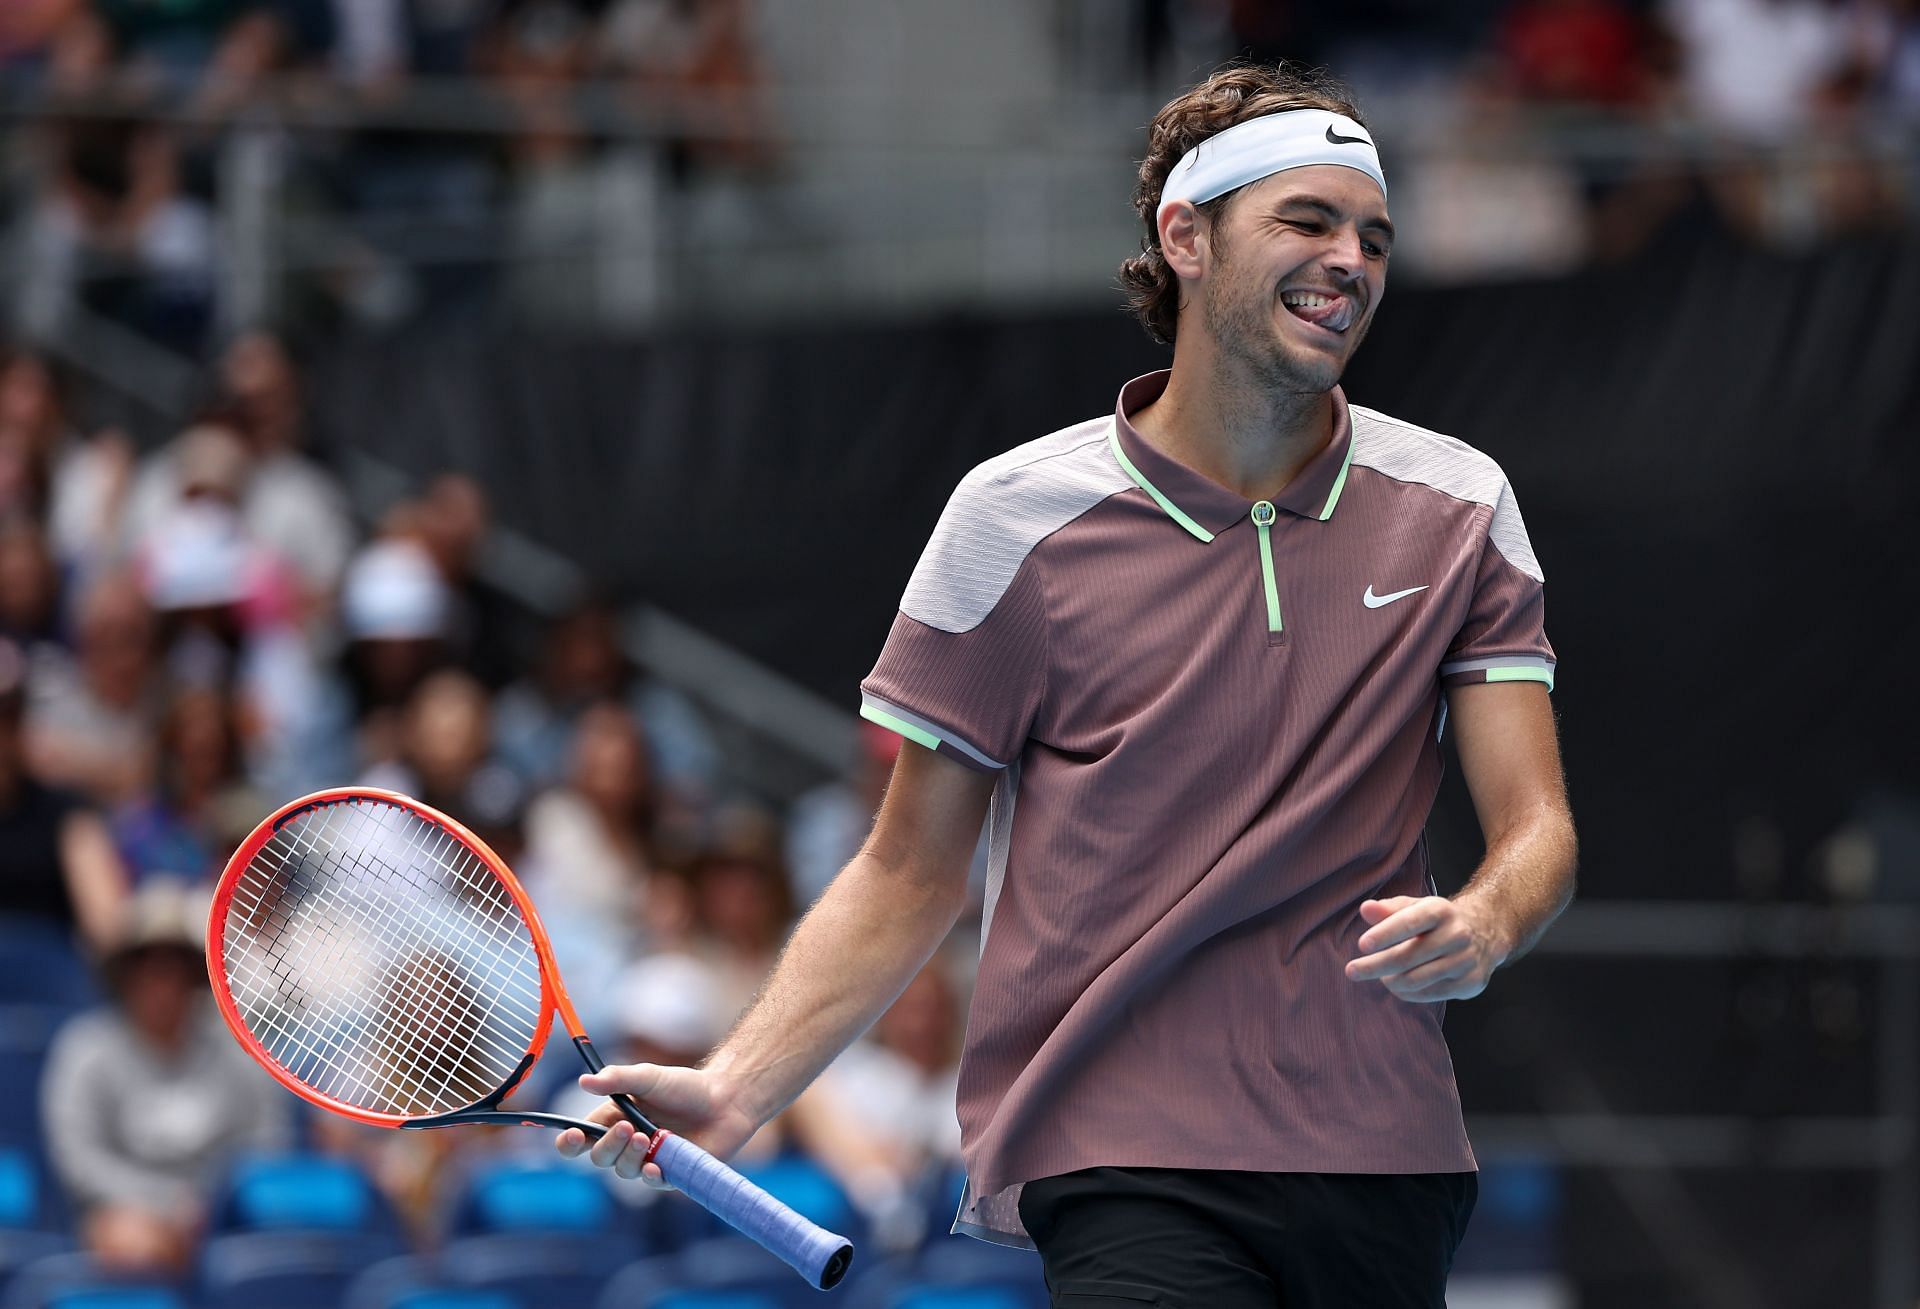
(1263, 516)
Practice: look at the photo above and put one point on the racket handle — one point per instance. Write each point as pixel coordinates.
(815, 1253)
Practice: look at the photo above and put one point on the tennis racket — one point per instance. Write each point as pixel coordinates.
(384, 964)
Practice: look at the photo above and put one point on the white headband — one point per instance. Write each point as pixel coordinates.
(1272, 143)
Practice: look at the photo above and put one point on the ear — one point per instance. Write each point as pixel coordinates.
(1183, 240)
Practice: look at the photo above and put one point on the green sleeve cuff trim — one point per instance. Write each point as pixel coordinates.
(1172, 509)
(1521, 675)
(917, 735)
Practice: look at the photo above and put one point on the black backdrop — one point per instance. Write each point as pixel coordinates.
(1715, 454)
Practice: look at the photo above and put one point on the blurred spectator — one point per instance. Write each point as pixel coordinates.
(1507, 207)
(827, 825)
(87, 478)
(393, 607)
(116, 230)
(1783, 81)
(451, 520)
(1898, 61)
(1585, 52)
(882, 1115)
(28, 29)
(590, 857)
(144, 1100)
(581, 663)
(1755, 70)
(222, 44)
(29, 586)
(292, 505)
(92, 716)
(228, 623)
(743, 910)
(592, 839)
(56, 860)
(445, 760)
(199, 806)
(293, 508)
(34, 432)
(695, 59)
(90, 478)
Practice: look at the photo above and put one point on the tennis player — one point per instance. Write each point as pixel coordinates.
(1197, 657)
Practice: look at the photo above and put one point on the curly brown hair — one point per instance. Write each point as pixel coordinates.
(1231, 96)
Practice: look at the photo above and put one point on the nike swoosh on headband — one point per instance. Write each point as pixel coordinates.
(1269, 144)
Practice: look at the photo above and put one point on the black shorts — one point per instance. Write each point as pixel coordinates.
(1124, 1238)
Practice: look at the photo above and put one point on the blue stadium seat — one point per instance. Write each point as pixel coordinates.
(74, 1281)
(29, 1201)
(463, 1297)
(26, 1032)
(285, 1269)
(20, 1248)
(43, 967)
(955, 1273)
(410, 1282)
(32, 1213)
(965, 1297)
(380, 1285)
(736, 1264)
(516, 1196)
(116, 1297)
(304, 1192)
(964, 1261)
(938, 1191)
(540, 1267)
(638, 1282)
(697, 1298)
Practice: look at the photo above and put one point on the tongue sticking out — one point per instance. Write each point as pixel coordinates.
(1335, 315)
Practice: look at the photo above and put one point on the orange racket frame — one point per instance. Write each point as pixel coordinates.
(553, 995)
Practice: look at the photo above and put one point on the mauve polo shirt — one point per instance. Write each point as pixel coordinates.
(1216, 725)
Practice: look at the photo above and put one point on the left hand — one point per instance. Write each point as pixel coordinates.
(1428, 948)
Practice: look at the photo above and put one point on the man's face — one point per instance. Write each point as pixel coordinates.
(1299, 262)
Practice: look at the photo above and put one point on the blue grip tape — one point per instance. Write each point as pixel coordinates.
(815, 1253)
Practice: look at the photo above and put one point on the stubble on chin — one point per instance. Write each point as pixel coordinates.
(1246, 328)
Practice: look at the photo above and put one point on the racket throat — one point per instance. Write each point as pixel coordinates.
(591, 1058)
(465, 1114)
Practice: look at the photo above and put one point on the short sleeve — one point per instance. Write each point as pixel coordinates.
(1504, 637)
(964, 668)
(971, 694)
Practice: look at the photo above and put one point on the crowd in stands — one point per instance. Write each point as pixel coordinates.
(139, 95)
(193, 636)
(1550, 133)
(1588, 124)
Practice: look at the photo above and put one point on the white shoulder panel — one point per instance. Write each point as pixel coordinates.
(999, 512)
(1413, 454)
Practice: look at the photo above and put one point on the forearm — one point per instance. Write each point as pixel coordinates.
(1525, 880)
(848, 959)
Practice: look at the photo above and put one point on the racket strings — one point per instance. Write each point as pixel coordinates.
(379, 961)
(426, 1003)
(335, 1049)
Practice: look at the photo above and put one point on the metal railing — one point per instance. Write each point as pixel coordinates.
(854, 202)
